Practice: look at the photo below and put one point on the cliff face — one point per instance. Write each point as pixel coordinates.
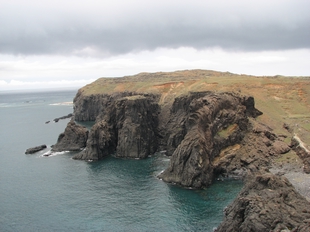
(73, 139)
(209, 123)
(267, 203)
(128, 128)
(206, 134)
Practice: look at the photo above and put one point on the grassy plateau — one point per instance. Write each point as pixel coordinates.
(282, 99)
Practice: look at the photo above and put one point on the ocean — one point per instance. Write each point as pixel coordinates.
(57, 193)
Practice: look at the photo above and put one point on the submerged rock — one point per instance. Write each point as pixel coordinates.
(63, 117)
(35, 149)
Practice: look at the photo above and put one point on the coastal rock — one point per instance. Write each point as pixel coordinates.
(127, 129)
(72, 139)
(63, 117)
(256, 150)
(101, 142)
(35, 149)
(213, 122)
(267, 203)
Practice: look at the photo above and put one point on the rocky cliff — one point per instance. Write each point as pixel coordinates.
(127, 128)
(72, 139)
(267, 203)
(206, 134)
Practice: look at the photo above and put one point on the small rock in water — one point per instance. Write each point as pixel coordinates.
(35, 149)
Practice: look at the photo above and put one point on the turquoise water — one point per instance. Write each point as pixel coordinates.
(57, 193)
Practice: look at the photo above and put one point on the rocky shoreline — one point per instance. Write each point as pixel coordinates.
(206, 134)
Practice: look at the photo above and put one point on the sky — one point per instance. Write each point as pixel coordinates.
(56, 44)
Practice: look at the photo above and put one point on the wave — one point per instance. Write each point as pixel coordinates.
(53, 153)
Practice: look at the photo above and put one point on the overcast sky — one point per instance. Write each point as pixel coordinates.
(73, 42)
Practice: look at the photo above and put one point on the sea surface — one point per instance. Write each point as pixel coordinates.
(57, 193)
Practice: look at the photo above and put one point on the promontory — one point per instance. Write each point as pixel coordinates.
(210, 124)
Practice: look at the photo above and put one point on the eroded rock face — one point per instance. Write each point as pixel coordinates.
(267, 203)
(211, 122)
(127, 129)
(100, 143)
(72, 139)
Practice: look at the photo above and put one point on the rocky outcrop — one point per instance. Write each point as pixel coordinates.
(211, 122)
(267, 203)
(35, 149)
(101, 142)
(128, 128)
(73, 139)
(63, 117)
(256, 149)
(89, 107)
(303, 153)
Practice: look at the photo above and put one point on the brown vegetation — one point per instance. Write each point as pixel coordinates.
(282, 99)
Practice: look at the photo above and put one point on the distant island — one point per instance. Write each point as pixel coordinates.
(212, 125)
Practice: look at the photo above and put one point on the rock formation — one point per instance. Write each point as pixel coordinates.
(267, 203)
(206, 134)
(35, 149)
(128, 128)
(73, 139)
(63, 117)
(210, 122)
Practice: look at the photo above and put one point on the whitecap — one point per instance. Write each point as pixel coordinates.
(53, 153)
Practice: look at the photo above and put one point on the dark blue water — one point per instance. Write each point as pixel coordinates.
(57, 193)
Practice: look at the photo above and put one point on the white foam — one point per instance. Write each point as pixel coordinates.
(53, 153)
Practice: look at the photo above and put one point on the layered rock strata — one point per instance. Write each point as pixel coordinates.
(267, 203)
(210, 122)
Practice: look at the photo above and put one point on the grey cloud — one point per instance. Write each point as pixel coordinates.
(116, 33)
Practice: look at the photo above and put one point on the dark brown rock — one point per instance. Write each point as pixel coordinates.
(212, 123)
(281, 147)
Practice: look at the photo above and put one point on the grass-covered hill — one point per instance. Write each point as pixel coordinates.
(283, 100)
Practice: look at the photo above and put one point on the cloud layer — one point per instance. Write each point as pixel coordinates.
(89, 28)
(69, 43)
